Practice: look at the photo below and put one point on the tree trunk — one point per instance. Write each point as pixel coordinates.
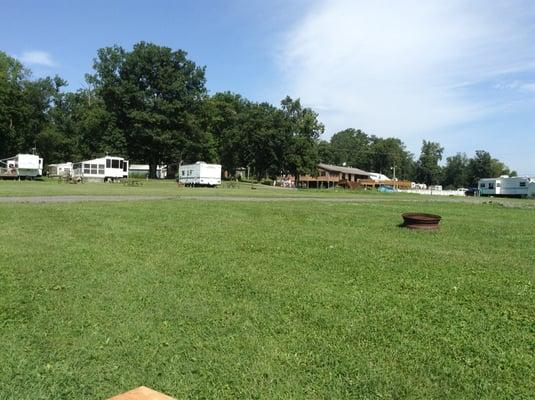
(172, 170)
(152, 170)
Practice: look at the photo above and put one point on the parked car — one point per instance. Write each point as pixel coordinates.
(387, 189)
(471, 191)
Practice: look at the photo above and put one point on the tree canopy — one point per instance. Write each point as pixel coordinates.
(150, 104)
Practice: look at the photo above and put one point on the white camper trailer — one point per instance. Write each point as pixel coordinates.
(21, 166)
(101, 169)
(63, 169)
(507, 186)
(489, 186)
(200, 174)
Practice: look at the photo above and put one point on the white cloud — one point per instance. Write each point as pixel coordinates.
(38, 58)
(406, 68)
(521, 86)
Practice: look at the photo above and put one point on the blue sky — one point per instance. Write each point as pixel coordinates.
(458, 72)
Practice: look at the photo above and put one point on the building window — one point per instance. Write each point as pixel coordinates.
(86, 169)
(93, 169)
(101, 169)
(115, 163)
(108, 163)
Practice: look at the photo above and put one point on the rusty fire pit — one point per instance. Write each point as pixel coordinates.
(421, 221)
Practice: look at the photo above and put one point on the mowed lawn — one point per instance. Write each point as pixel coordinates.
(157, 187)
(226, 300)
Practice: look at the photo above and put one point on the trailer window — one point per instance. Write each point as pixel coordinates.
(93, 169)
(125, 166)
(183, 172)
(522, 184)
(108, 163)
(498, 184)
(482, 185)
(491, 186)
(101, 169)
(86, 169)
(115, 163)
(121, 164)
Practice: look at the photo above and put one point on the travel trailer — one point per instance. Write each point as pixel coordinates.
(200, 174)
(63, 169)
(506, 186)
(489, 186)
(107, 168)
(21, 166)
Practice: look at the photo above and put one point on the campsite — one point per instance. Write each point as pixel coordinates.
(327, 199)
(284, 299)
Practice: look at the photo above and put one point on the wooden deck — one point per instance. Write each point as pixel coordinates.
(141, 393)
(336, 181)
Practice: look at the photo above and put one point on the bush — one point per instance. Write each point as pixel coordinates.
(138, 175)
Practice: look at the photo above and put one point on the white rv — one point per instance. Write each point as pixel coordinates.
(515, 186)
(200, 174)
(101, 169)
(489, 186)
(63, 169)
(378, 177)
(22, 166)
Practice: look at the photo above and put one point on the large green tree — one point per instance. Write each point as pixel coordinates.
(325, 152)
(483, 165)
(224, 116)
(303, 130)
(455, 172)
(428, 170)
(351, 147)
(25, 106)
(385, 154)
(155, 94)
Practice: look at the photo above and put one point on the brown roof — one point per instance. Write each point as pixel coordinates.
(344, 170)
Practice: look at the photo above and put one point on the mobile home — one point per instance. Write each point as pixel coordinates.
(200, 174)
(21, 166)
(107, 168)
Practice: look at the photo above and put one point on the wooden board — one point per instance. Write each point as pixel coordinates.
(141, 393)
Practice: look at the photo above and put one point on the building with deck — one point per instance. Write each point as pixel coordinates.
(332, 176)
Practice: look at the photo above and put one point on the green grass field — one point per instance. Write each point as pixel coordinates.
(49, 187)
(224, 300)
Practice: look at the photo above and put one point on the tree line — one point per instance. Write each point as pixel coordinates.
(355, 148)
(150, 104)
